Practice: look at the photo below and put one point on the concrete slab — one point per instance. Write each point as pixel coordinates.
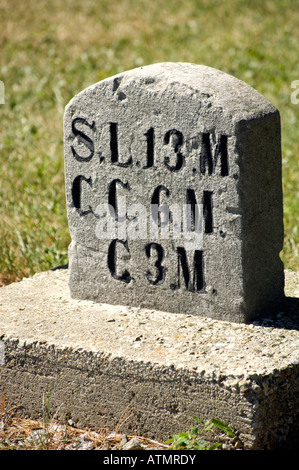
(147, 370)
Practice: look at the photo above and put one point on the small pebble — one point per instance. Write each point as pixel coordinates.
(133, 444)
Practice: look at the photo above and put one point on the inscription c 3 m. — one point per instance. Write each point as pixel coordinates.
(192, 276)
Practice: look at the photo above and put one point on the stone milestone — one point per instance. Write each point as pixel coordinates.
(174, 193)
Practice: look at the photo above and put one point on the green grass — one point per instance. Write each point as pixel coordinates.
(193, 439)
(52, 50)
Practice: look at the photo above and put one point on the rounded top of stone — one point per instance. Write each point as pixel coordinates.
(217, 88)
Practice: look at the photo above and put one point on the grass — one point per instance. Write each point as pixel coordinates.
(52, 50)
(192, 440)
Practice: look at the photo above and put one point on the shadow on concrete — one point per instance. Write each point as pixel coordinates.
(286, 318)
(64, 266)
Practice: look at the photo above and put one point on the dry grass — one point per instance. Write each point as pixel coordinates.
(28, 434)
(18, 433)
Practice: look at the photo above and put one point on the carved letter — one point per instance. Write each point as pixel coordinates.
(114, 147)
(112, 258)
(176, 139)
(207, 211)
(197, 284)
(112, 198)
(150, 141)
(160, 269)
(155, 205)
(83, 138)
(207, 159)
(77, 191)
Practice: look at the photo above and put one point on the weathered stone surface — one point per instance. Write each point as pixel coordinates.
(175, 134)
(102, 363)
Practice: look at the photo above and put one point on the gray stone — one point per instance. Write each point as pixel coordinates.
(124, 440)
(132, 444)
(179, 135)
(85, 443)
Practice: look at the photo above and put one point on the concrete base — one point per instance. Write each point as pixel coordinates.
(147, 371)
